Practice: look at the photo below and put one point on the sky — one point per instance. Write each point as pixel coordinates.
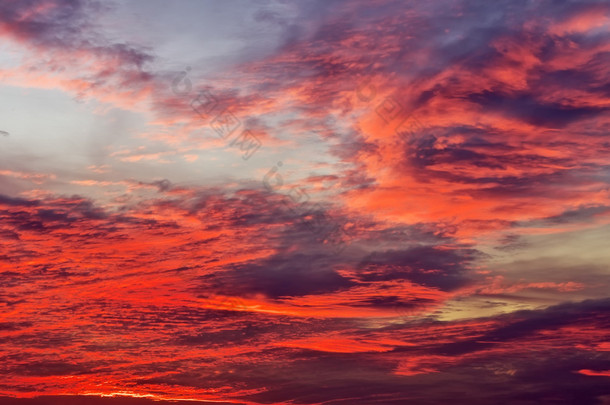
(319, 202)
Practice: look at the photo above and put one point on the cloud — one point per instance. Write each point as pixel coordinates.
(526, 108)
(62, 32)
(455, 147)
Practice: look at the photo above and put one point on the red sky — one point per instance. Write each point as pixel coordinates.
(324, 202)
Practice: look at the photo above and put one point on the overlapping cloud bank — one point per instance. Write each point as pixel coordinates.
(461, 148)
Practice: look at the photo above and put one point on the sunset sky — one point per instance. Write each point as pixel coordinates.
(363, 202)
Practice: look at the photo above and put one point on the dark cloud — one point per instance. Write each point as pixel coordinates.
(446, 269)
(14, 325)
(527, 323)
(59, 23)
(58, 214)
(15, 201)
(583, 214)
(283, 275)
(526, 107)
(65, 24)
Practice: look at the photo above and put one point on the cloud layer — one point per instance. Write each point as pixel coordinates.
(423, 219)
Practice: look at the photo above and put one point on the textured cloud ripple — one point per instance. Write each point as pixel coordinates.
(322, 202)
